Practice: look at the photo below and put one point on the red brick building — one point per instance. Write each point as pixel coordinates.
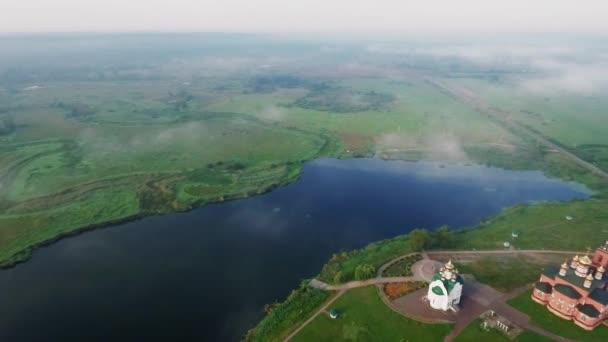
(578, 291)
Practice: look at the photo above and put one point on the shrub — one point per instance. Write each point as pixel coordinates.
(283, 316)
(364, 271)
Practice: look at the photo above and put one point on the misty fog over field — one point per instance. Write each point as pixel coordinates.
(249, 170)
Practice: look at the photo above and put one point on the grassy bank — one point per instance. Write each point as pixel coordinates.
(504, 273)
(364, 317)
(282, 318)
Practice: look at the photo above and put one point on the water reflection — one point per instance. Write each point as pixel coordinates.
(206, 274)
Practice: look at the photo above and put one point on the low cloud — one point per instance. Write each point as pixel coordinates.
(538, 68)
(441, 147)
(100, 142)
(567, 77)
(273, 113)
(444, 147)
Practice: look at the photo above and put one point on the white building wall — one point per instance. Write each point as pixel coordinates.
(443, 302)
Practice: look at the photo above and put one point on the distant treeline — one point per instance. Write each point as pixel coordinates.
(270, 83)
(339, 100)
(76, 110)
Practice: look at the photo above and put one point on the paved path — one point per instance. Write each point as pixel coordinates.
(424, 269)
(485, 298)
(359, 283)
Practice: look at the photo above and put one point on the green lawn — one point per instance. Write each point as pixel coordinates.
(474, 333)
(542, 226)
(503, 273)
(541, 317)
(364, 317)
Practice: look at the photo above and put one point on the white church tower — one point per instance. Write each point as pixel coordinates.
(446, 288)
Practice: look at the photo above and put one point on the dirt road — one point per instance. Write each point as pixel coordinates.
(501, 117)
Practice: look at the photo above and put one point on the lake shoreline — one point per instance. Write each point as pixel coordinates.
(25, 255)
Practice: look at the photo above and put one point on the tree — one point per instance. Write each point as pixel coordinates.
(444, 237)
(419, 239)
(364, 271)
(338, 277)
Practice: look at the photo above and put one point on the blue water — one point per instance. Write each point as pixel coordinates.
(206, 274)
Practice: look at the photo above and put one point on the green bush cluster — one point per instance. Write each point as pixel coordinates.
(364, 271)
(403, 267)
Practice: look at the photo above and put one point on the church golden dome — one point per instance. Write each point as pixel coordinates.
(565, 265)
(449, 265)
(589, 277)
(585, 261)
(601, 269)
(575, 258)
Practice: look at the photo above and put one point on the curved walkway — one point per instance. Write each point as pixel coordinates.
(359, 283)
(424, 270)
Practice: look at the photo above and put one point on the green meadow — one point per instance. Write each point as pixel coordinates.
(105, 130)
(364, 317)
(169, 146)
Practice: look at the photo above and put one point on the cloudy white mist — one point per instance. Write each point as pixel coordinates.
(303, 16)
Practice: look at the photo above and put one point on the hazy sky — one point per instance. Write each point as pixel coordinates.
(304, 15)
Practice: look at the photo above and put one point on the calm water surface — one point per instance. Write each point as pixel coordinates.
(206, 274)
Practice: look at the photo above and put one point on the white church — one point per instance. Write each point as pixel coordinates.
(446, 288)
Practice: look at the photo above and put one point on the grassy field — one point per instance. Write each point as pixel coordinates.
(170, 146)
(541, 317)
(474, 333)
(542, 226)
(503, 273)
(106, 130)
(172, 135)
(571, 120)
(364, 317)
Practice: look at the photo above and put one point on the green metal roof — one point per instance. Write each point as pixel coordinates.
(570, 277)
(551, 271)
(449, 285)
(437, 290)
(544, 287)
(599, 295)
(567, 290)
(588, 310)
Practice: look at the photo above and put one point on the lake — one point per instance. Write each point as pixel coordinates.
(206, 274)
